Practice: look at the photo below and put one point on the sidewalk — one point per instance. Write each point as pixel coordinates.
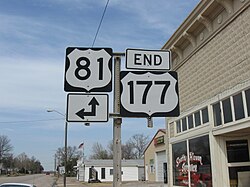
(72, 182)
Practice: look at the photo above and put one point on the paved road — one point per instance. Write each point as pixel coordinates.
(72, 182)
(40, 180)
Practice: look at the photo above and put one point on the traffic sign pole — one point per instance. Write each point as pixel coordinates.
(117, 122)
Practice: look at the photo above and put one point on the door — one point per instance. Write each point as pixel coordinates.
(160, 159)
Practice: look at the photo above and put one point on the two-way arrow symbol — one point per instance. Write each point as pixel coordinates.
(93, 103)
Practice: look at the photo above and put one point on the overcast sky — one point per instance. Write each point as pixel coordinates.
(34, 35)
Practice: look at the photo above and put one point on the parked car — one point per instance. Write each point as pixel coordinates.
(16, 185)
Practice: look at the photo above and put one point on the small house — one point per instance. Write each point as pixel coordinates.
(102, 170)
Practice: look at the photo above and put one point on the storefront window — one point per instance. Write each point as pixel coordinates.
(239, 175)
(217, 114)
(178, 126)
(227, 111)
(204, 115)
(237, 151)
(247, 92)
(190, 122)
(200, 162)
(184, 124)
(180, 165)
(197, 118)
(238, 106)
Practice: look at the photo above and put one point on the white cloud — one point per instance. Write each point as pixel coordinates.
(31, 83)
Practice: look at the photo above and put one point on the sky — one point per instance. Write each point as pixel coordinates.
(34, 35)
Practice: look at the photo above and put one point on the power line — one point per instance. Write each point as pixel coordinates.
(100, 23)
(30, 121)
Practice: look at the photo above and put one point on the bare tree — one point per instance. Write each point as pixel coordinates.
(132, 149)
(99, 152)
(5, 147)
(22, 162)
(110, 149)
(26, 164)
(128, 150)
(139, 141)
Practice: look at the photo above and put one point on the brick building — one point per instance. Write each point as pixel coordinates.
(209, 143)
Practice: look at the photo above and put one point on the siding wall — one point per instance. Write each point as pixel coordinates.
(129, 174)
(219, 65)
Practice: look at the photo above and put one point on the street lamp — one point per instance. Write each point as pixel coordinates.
(65, 144)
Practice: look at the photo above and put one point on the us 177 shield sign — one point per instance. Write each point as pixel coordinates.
(149, 94)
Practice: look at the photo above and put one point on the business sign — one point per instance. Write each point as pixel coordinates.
(147, 59)
(88, 69)
(149, 94)
(159, 140)
(87, 108)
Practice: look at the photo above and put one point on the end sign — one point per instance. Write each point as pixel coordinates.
(147, 59)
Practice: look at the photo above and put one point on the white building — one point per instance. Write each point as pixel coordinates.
(132, 170)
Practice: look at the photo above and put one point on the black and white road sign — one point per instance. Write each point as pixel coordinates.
(148, 59)
(87, 108)
(149, 94)
(88, 69)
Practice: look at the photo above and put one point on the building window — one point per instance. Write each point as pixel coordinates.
(200, 161)
(151, 163)
(217, 114)
(184, 124)
(180, 165)
(102, 173)
(237, 151)
(178, 126)
(238, 106)
(205, 118)
(227, 110)
(247, 93)
(111, 172)
(190, 122)
(197, 165)
(197, 119)
(234, 174)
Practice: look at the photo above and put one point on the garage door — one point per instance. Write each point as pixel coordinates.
(160, 159)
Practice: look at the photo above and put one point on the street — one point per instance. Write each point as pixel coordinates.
(40, 180)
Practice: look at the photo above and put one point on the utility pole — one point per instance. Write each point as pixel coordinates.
(66, 152)
(117, 121)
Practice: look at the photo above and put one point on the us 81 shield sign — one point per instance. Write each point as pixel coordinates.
(149, 94)
(88, 69)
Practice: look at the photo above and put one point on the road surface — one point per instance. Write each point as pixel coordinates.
(40, 180)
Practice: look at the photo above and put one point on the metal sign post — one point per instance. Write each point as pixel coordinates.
(117, 123)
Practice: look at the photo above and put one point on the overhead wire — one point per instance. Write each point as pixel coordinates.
(100, 23)
(31, 121)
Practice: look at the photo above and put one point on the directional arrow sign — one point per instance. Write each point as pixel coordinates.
(93, 103)
(87, 108)
(149, 94)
